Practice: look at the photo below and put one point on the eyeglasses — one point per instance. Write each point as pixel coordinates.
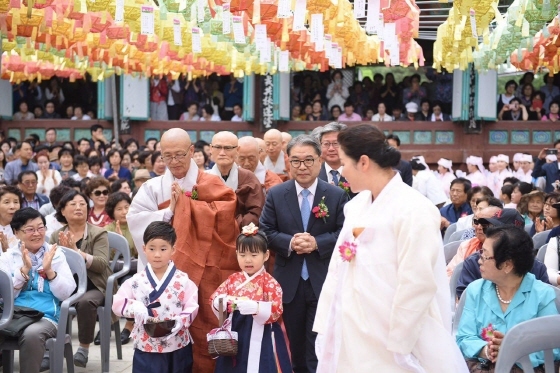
(484, 258)
(177, 157)
(29, 183)
(327, 145)
(30, 230)
(226, 148)
(97, 193)
(308, 162)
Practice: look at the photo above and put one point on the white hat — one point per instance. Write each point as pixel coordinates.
(476, 161)
(518, 157)
(446, 163)
(411, 107)
(421, 160)
(551, 157)
(526, 158)
(503, 158)
(493, 160)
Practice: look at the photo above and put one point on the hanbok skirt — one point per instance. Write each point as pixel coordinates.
(274, 356)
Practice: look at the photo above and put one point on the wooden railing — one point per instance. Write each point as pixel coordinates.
(432, 139)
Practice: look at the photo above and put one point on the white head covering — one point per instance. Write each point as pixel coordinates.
(526, 158)
(411, 107)
(552, 157)
(493, 160)
(421, 160)
(503, 158)
(446, 163)
(518, 157)
(476, 161)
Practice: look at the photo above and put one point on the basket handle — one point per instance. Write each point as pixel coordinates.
(221, 311)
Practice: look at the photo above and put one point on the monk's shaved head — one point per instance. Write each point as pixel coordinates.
(224, 150)
(224, 136)
(249, 143)
(176, 147)
(175, 135)
(286, 138)
(274, 143)
(262, 148)
(248, 157)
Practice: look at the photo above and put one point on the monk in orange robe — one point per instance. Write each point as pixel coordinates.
(202, 210)
(248, 158)
(276, 159)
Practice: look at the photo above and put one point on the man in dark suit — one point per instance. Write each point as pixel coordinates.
(550, 171)
(403, 167)
(303, 243)
(331, 169)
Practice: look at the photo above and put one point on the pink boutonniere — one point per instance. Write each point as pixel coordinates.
(487, 333)
(321, 210)
(347, 251)
(344, 185)
(192, 194)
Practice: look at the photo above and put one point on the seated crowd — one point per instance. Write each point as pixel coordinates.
(72, 194)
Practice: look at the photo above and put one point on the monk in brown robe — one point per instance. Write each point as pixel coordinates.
(202, 210)
(248, 158)
(250, 196)
(276, 159)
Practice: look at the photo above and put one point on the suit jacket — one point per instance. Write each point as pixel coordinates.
(281, 219)
(549, 171)
(406, 171)
(323, 176)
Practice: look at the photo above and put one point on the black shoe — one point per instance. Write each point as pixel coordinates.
(45, 364)
(125, 336)
(97, 340)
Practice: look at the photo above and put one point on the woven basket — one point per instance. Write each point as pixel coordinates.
(221, 341)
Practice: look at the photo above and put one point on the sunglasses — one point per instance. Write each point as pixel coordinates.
(483, 225)
(97, 193)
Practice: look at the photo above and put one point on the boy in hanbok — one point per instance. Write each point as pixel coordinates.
(253, 299)
(159, 292)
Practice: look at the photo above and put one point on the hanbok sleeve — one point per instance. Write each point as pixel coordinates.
(273, 293)
(123, 300)
(189, 298)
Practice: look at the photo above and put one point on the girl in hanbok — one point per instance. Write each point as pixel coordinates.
(253, 300)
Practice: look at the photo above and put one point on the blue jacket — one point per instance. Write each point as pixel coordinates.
(471, 272)
(14, 168)
(482, 307)
(549, 171)
(451, 215)
(123, 173)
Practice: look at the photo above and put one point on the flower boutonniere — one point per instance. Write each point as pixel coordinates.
(347, 250)
(345, 186)
(487, 333)
(321, 210)
(192, 194)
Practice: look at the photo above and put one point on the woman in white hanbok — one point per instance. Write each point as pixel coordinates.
(384, 306)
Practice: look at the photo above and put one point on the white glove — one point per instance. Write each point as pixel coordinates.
(140, 312)
(216, 302)
(319, 343)
(176, 328)
(409, 362)
(247, 307)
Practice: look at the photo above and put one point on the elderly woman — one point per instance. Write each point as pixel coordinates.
(531, 207)
(92, 244)
(355, 323)
(117, 208)
(550, 218)
(506, 295)
(98, 190)
(10, 201)
(41, 279)
(158, 164)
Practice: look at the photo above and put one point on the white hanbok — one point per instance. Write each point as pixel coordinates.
(392, 299)
(145, 205)
(445, 181)
(525, 177)
(477, 179)
(429, 186)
